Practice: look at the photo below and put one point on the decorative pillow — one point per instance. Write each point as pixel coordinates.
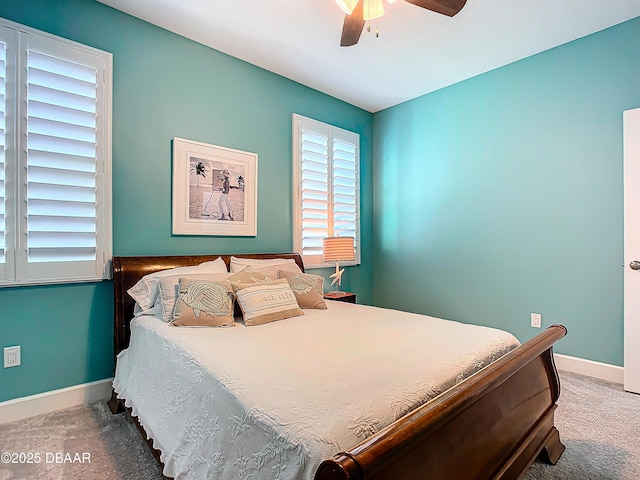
(307, 288)
(145, 292)
(202, 303)
(266, 302)
(236, 264)
(272, 272)
(169, 288)
(248, 275)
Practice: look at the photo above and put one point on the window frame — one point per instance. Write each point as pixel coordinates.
(17, 271)
(332, 132)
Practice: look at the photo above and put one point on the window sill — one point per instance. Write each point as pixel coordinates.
(331, 265)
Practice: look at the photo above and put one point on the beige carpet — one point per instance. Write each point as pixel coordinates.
(598, 422)
(116, 449)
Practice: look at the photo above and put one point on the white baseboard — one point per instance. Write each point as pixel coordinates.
(25, 407)
(603, 371)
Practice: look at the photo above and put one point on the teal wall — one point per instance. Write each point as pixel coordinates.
(494, 198)
(164, 86)
(502, 195)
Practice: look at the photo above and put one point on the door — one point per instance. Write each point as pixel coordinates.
(632, 250)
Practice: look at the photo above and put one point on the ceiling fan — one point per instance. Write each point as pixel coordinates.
(359, 11)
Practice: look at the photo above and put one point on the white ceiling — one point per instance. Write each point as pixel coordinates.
(417, 52)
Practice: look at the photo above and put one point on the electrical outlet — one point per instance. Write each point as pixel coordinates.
(12, 356)
(536, 320)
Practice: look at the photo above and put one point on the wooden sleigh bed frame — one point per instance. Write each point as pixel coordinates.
(492, 425)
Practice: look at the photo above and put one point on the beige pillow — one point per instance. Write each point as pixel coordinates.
(248, 275)
(307, 288)
(202, 303)
(271, 272)
(170, 288)
(266, 302)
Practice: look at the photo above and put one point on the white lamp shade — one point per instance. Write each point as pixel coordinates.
(373, 9)
(347, 6)
(338, 249)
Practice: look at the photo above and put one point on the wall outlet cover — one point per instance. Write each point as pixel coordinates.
(536, 320)
(12, 356)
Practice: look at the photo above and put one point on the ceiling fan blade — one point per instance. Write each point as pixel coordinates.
(353, 25)
(445, 7)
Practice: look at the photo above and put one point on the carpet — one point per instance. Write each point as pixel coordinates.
(598, 422)
(116, 449)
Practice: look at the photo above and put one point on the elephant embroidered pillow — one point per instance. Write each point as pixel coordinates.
(307, 288)
(202, 303)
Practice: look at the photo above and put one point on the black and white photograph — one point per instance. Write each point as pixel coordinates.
(214, 190)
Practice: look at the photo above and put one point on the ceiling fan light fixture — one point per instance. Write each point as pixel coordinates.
(347, 6)
(373, 9)
(359, 14)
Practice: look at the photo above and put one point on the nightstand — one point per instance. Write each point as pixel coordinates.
(348, 297)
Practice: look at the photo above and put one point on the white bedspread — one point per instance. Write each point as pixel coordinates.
(273, 401)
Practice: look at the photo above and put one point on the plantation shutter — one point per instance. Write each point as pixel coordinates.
(345, 188)
(3, 109)
(61, 160)
(65, 223)
(55, 152)
(326, 186)
(314, 191)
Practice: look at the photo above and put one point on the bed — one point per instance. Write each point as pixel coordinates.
(491, 424)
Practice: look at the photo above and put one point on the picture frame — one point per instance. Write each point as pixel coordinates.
(214, 190)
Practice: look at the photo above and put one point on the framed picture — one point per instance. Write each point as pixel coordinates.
(214, 190)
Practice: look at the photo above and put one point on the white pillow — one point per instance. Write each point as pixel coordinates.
(156, 310)
(169, 288)
(146, 290)
(238, 264)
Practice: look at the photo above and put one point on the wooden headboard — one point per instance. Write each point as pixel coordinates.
(128, 270)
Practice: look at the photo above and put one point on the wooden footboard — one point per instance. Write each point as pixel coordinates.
(491, 426)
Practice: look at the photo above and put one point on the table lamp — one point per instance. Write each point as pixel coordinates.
(338, 249)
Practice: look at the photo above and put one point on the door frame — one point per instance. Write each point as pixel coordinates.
(631, 173)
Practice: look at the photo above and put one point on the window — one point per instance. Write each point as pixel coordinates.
(326, 187)
(55, 159)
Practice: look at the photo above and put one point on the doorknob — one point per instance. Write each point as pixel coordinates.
(635, 265)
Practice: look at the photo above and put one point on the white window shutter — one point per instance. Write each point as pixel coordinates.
(61, 230)
(7, 151)
(55, 159)
(326, 186)
(3, 176)
(314, 189)
(345, 188)
(63, 214)
(61, 160)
